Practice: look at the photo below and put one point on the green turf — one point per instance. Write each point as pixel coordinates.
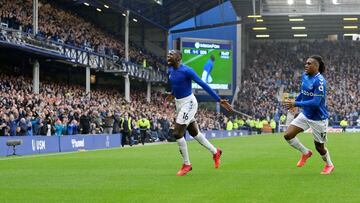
(254, 169)
(222, 70)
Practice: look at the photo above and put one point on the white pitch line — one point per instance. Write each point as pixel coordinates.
(196, 57)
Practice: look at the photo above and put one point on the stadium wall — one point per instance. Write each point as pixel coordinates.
(55, 144)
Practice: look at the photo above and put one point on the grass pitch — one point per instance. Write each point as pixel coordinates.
(254, 169)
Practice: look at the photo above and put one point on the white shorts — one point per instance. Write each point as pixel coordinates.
(204, 75)
(186, 109)
(318, 127)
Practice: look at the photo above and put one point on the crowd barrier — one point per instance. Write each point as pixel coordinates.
(338, 129)
(53, 144)
(220, 134)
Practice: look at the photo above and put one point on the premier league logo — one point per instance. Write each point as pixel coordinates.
(197, 45)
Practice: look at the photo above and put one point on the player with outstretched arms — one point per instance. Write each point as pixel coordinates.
(180, 78)
(314, 115)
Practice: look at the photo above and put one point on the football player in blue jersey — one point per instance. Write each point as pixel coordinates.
(209, 65)
(314, 115)
(180, 78)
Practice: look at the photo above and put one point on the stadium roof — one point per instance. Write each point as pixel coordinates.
(162, 13)
(315, 19)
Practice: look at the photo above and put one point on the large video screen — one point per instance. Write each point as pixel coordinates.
(211, 59)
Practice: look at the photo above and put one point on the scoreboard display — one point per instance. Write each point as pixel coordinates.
(212, 60)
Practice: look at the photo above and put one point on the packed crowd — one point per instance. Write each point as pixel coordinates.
(275, 67)
(66, 110)
(63, 26)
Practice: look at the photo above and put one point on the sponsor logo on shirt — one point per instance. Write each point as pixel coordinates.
(311, 94)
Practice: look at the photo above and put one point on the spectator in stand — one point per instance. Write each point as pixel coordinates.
(274, 68)
(108, 123)
(85, 123)
(58, 128)
(59, 25)
(78, 113)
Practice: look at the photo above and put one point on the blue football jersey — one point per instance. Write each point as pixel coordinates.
(312, 98)
(180, 80)
(209, 66)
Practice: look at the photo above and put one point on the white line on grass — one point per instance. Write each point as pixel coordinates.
(196, 57)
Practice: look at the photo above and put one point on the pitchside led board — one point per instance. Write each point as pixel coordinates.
(212, 60)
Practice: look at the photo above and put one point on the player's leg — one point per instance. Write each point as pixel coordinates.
(123, 139)
(130, 138)
(186, 108)
(298, 125)
(320, 138)
(194, 131)
(178, 133)
(210, 79)
(143, 136)
(290, 137)
(203, 76)
(325, 155)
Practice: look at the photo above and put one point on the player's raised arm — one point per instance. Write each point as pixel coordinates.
(299, 97)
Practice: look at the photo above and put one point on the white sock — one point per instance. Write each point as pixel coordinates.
(204, 142)
(327, 159)
(184, 150)
(295, 142)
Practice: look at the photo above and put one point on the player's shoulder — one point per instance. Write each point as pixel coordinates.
(170, 69)
(304, 77)
(185, 67)
(320, 78)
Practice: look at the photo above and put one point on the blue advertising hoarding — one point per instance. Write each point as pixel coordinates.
(53, 144)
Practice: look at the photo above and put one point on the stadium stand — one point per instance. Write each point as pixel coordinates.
(268, 75)
(64, 27)
(274, 68)
(66, 109)
(25, 113)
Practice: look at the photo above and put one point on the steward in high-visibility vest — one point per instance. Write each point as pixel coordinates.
(273, 125)
(344, 124)
(229, 125)
(144, 125)
(125, 129)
